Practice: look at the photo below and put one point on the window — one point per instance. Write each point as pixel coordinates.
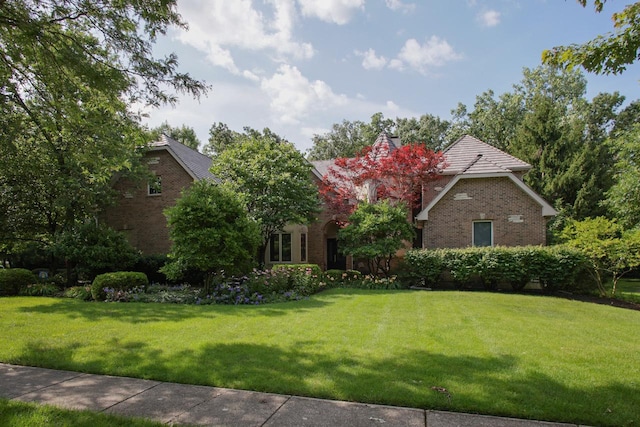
(482, 233)
(303, 247)
(280, 247)
(155, 186)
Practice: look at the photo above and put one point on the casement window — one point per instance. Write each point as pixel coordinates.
(155, 186)
(482, 233)
(280, 247)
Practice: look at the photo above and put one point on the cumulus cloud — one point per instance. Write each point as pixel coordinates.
(489, 18)
(332, 11)
(293, 96)
(400, 5)
(435, 52)
(371, 61)
(217, 26)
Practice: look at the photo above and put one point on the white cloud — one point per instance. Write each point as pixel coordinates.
(435, 52)
(332, 11)
(399, 5)
(392, 106)
(293, 96)
(489, 18)
(217, 26)
(371, 61)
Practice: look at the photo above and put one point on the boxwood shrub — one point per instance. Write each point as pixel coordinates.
(119, 281)
(13, 280)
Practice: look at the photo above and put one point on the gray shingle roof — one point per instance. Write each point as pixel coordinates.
(196, 164)
(469, 155)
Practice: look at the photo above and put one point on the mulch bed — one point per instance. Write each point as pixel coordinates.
(600, 300)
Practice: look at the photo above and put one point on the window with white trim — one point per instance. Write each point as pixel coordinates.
(280, 247)
(482, 233)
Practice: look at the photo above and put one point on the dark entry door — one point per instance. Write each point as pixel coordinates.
(335, 260)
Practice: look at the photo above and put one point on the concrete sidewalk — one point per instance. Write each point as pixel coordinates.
(212, 406)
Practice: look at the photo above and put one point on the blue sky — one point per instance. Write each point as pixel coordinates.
(299, 66)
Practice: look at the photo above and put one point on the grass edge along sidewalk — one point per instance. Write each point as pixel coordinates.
(508, 355)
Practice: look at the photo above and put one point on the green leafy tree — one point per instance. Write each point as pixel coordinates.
(69, 72)
(183, 134)
(274, 181)
(610, 248)
(623, 198)
(428, 129)
(375, 232)
(605, 54)
(210, 231)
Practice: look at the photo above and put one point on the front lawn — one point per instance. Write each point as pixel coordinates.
(510, 355)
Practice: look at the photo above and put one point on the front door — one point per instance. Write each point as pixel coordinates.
(335, 260)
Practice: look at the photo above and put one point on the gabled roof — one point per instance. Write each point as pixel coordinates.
(547, 209)
(194, 163)
(384, 145)
(469, 155)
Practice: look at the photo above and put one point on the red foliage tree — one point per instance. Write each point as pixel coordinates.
(378, 173)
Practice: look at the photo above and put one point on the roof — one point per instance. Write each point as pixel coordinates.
(194, 163)
(384, 145)
(469, 155)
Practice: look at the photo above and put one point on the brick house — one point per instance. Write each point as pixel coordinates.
(480, 200)
(138, 211)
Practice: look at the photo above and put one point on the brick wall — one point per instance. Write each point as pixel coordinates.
(140, 215)
(517, 219)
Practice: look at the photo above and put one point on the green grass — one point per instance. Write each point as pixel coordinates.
(510, 355)
(20, 414)
(629, 290)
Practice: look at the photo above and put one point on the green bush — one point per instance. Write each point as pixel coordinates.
(555, 267)
(423, 267)
(118, 281)
(12, 280)
(40, 290)
(78, 292)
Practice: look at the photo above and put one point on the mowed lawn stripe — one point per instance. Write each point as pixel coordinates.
(515, 355)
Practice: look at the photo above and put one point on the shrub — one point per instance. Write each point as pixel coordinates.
(95, 249)
(423, 267)
(12, 280)
(40, 290)
(556, 267)
(78, 292)
(151, 265)
(118, 281)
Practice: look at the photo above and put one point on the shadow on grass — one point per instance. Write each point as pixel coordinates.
(488, 384)
(157, 312)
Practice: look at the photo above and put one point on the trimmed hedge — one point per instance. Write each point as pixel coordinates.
(555, 267)
(13, 280)
(119, 281)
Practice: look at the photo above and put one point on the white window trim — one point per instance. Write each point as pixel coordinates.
(473, 229)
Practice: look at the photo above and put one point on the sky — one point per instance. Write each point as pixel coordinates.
(300, 66)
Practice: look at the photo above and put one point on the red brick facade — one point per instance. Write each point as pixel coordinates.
(515, 216)
(140, 215)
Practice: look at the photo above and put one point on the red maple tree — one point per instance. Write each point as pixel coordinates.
(378, 173)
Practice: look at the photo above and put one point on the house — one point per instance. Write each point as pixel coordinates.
(138, 211)
(479, 200)
(482, 200)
